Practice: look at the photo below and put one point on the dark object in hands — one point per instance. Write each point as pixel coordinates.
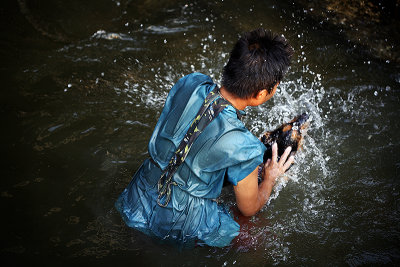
(288, 134)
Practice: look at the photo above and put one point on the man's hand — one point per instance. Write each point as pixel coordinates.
(273, 169)
(251, 196)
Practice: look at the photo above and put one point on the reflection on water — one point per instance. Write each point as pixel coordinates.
(79, 115)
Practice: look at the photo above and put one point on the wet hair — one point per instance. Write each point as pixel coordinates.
(258, 61)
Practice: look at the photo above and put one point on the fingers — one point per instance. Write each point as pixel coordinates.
(285, 155)
(288, 163)
(284, 162)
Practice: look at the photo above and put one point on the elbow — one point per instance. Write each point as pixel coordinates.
(248, 212)
(249, 208)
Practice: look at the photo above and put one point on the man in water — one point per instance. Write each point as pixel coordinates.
(199, 141)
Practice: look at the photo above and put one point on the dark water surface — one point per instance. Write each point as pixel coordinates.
(83, 83)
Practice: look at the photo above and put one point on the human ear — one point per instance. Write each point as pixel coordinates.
(262, 93)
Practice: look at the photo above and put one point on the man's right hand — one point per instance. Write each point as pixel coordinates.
(273, 169)
(251, 196)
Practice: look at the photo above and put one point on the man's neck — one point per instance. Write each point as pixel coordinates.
(237, 102)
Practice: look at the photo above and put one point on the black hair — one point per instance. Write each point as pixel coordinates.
(258, 61)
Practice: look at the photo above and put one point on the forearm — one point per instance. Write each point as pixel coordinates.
(253, 202)
(264, 192)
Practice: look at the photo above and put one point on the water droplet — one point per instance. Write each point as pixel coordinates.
(375, 93)
(165, 41)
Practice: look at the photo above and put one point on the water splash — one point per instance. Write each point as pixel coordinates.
(295, 97)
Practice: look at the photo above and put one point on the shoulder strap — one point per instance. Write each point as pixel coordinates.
(208, 111)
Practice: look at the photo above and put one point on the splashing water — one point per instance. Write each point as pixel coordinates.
(291, 99)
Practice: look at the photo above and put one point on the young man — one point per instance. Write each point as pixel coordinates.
(199, 141)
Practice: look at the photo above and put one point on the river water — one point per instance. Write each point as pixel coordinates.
(83, 86)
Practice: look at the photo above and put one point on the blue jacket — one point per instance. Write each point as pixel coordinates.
(225, 147)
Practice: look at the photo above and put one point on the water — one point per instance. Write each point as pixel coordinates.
(79, 106)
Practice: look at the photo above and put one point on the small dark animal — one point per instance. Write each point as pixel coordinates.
(288, 134)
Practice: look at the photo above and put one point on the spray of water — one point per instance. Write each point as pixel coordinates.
(295, 97)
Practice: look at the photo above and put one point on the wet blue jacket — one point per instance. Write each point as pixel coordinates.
(225, 147)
